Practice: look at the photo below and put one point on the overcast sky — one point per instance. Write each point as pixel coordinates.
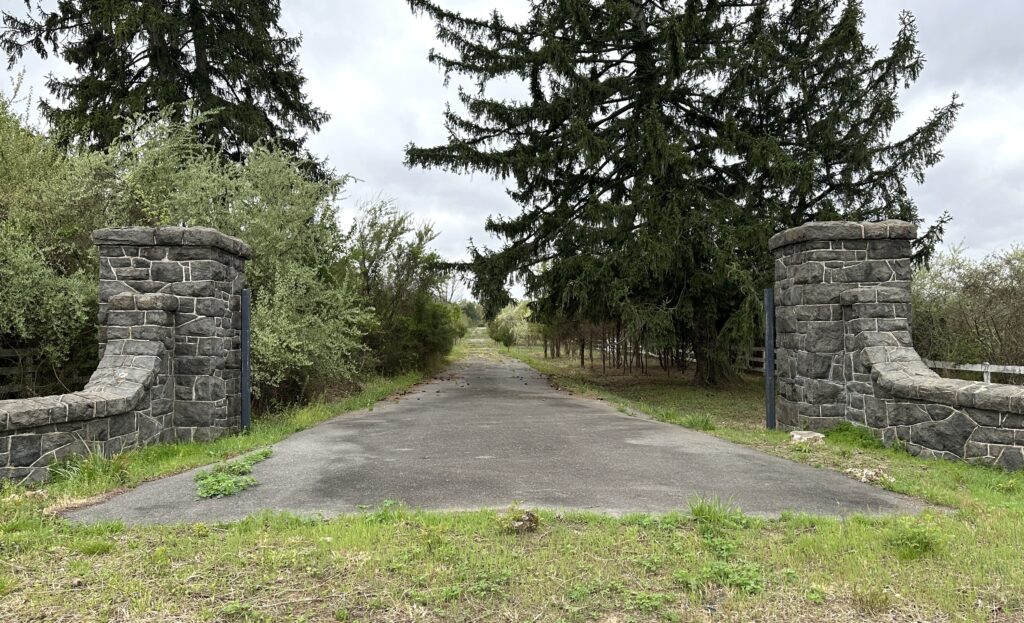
(366, 65)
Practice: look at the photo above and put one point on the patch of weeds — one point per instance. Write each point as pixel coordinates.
(699, 421)
(519, 521)
(720, 546)
(650, 564)
(448, 594)
(871, 600)
(93, 547)
(578, 592)
(489, 583)
(687, 580)
(240, 611)
(912, 539)
(713, 515)
(1008, 486)
(230, 477)
(801, 448)
(93, 469)
(747, 577)
(387, 512)
(816, 594)
(645, 601)
(7, 585)
(668, 522)
(848, 434)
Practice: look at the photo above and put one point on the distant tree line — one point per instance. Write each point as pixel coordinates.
(659, 144)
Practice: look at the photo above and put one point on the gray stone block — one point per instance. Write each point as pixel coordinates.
(209, 388)
(824, 337)
(167, 271)
(203, 270)
(194, 413)
(949, 435)
(195, 366)
(209, 306)
(24, 450)
(200, 327)
(1011, 458)
(870, 271)
(907, 414)
(193, 288)
(124, 236)
(821, 392)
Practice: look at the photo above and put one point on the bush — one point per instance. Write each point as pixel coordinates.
(48, 205)
(511, 326)
(968, 311)
(328, 305)
(401, 278)
(305, 337)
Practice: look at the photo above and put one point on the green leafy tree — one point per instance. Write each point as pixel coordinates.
(511, 326)
(473, 311)
(399, 275)
(229, 57)
(660, 144)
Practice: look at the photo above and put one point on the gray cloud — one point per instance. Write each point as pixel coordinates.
(366, 65)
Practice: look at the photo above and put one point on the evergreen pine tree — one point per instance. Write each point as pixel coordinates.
(230, 57)
(661, 143)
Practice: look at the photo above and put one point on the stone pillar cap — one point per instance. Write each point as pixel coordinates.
(844, 230)
(172, 237)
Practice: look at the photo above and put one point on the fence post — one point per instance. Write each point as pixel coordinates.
(986, 374)
(246, 369)
(769, 358)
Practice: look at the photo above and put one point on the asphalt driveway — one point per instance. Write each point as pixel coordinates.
(492, 433)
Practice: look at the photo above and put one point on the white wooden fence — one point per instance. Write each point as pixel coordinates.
(986, 368)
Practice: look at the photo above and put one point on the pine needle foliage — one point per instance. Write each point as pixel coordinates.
(131, 57)
(658, 144)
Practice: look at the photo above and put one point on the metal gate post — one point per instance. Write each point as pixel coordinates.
(769, 357)
(246, 369)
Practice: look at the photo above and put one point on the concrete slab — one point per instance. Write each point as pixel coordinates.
(492, 433)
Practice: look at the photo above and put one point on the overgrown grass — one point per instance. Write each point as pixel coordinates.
(707, 563)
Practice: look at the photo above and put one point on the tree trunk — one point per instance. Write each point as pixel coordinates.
(711, 368)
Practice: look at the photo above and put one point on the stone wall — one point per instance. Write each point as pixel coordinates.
(169, 332)
(845, 350)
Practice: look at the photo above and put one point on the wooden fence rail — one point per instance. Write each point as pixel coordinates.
(986, 368)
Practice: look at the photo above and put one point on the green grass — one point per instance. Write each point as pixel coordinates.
(709, 562)
(229, 477)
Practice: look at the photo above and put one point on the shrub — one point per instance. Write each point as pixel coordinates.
(48, 205)
(401, 277)
(967, 311)
(511, 326)
(328, 304)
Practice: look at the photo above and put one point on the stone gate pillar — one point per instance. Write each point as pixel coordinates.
(169, 369)
(827, 276)
(204, 271)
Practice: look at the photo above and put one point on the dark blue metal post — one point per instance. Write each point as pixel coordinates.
(769, 357)
(246, 370)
